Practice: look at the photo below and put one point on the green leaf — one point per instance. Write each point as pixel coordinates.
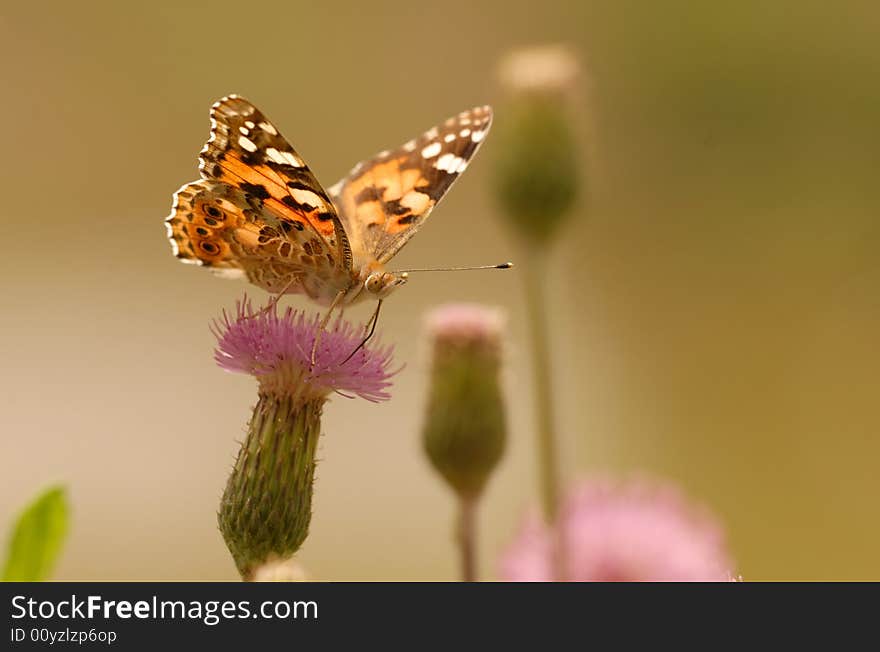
(37, 538)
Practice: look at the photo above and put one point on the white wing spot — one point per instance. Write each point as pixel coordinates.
(431, 134)
(275, 156)
(465, 120)
(283, 158)
(247, 144)
(244, 131)
(431, 150)
(450, 163)
(306, 197)
(409, 146)
(249, 124)
(477, 136)
(268, 128)
(417, 202)
(464, 133)
(448, 138)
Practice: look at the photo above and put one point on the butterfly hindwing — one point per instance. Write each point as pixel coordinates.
(219, 226)
(385, 199)
(200, 227)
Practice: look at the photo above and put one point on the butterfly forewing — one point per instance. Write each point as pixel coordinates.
(247, 151)
(385, 199)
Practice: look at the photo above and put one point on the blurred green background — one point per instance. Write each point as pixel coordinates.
(715, 303)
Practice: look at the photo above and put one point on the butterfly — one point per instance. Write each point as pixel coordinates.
(259, 213)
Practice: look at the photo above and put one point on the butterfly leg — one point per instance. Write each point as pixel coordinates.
(371, 326)
(323, 325)
(275, 298)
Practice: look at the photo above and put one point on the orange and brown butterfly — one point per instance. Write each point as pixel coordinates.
(259, 213)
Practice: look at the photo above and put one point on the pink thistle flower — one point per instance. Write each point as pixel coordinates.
(465, 323)
(266, 507)
(612, 531)
(276, 350)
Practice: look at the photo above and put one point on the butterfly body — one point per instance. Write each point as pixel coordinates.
(259, 213)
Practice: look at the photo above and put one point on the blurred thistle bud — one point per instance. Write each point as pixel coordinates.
(464, 432)
(266, 508)
(536, 161)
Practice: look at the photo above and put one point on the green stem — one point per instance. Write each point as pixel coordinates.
(467, 538)
(548, 467)
(267, 505)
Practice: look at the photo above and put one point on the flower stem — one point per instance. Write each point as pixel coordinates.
(467, 538)
(548, 467)
(267, 505)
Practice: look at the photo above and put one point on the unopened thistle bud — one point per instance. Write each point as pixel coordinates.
(267, 505)
(537, 168)
(464, 431)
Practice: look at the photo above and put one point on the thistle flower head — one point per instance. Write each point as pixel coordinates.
(277, 349)
(638, 531)
(539, 69)
(266, 507)
(462, 323)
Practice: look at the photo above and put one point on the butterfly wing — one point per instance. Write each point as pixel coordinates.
(259, 211)
(384, 200)
(221, 227)
(247, 151)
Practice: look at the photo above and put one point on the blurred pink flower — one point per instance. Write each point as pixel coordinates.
(276, 350)
(465, 322)
(614, 531)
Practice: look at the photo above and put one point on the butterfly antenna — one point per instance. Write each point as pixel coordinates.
(455, 269)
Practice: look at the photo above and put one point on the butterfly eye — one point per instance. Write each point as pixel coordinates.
(373, 283)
